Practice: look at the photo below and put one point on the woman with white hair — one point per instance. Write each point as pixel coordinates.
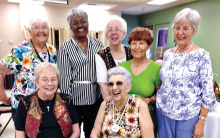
(123, 116)
(46, 113)
(110, 56)
(186, 94)
(23, 59)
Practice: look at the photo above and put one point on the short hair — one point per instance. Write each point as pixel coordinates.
(46, 65)
(120, 71)
(188, 14)
(141, 33)
(116, 18)
(76, 12)
(35, 20)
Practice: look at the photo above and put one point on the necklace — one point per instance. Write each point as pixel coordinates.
(185, 56)
(38, 53)
(48, 105)
(115, 127)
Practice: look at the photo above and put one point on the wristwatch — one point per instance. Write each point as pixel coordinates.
(202, 117)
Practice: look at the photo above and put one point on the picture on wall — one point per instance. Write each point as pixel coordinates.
(162, 35)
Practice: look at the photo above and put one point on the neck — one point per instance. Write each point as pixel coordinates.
(121, 104)
(140, 61)
(116, 48)
(182, 49)
(45, 97)
(81, 39)
(37, 44)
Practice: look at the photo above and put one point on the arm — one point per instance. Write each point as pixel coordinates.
(146, 124)
(76, 131)
(101, 72)
(199, 127)
(20, 134)
(96, 131)
(3, 96)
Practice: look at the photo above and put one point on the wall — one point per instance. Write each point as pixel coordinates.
(132, 22)
(14, 16)
(208, 35)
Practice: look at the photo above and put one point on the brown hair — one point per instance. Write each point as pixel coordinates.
(140, 33)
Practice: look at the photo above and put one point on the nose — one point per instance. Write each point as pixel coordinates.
(181, 31)
(114, 86)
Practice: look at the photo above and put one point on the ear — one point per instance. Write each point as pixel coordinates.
(128, 87)
(37, 84)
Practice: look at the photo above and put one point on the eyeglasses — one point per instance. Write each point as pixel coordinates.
(183, 29)
(83, 22)
(46, 80)
(118, 83)
(37, 28)
(116, 30)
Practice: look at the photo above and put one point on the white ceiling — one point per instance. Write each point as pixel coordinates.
(131, 7)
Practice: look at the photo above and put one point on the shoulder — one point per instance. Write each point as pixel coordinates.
(51, 48)
(103, 50)
(155, 65)
(67, 44)
(125, 64)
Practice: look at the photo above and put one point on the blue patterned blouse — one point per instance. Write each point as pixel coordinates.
(187, 82)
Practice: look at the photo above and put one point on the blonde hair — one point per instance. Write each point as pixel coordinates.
(46, 65)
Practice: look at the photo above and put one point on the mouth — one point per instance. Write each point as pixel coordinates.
(114, 38)
(81, 30)
(49, 88)
(116, 93)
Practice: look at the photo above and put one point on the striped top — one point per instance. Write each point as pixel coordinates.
(75, 65)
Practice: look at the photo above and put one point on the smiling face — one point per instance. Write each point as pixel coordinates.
(183, 33)
(39, 32)
(118, 88)
(115, 33)
(139, 48)
(47, 84)
(79, 27)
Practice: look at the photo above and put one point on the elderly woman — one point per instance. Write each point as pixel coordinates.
(123, 116)
(186, 94)
(76, 61)
(46, 113)
(23, 59)
(144, 72)
(115, 30)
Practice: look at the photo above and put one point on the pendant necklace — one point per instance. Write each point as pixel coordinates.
(115, 127)
(38, 53)
(48, 105)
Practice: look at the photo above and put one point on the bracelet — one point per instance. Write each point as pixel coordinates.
(202, 117)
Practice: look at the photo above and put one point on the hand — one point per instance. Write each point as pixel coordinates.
(108, 98)
(147, 100)
(153, 98)
(7, 101)
(199, 129)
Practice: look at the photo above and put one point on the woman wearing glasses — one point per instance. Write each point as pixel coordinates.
(115, 31)
(23, 59)
(144, 72)
(186, 94)
(124, 115)
(46, 113)
(76, 61)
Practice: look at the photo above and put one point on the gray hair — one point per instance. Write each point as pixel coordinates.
(116, 18)
(46, 65)
(190, 15)
(36, 20)
(76, 12)
(120, 71)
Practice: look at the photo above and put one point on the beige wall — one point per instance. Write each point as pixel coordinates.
(13, 16)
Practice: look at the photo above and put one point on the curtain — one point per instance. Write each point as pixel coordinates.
(64, 35)
(102, 38)
(26, 33)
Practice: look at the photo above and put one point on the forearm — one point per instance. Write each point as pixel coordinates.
(104, 89)
(20, 134)
(76, 131)
(3, 96)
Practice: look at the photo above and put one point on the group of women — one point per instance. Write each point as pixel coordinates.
(139, 96)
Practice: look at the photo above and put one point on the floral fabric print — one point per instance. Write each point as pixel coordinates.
(187, 82)
(129, 124)
(22, 61)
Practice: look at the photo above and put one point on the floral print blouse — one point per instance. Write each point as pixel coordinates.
(129, 124)
(187, 83)
(22, 61)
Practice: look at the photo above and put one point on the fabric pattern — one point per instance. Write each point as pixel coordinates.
(22, 61)
(75, 65)
(129, 124)
(187, 82)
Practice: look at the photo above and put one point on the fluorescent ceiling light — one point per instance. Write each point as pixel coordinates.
(96, 6)
(26, 1)
(55, 1)
(160, 2)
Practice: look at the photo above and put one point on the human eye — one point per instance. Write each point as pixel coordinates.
(45, 28)
(117, 30)
(75, 23)
(110, 30)
(44, 79)
(36, 28)
(177, 28)
(53, 80)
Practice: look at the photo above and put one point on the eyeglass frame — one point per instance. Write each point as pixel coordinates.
(37, 28)
(46, 80)
(118, 84)
(82, 22)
